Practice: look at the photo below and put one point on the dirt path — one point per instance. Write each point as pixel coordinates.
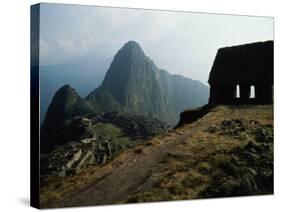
(135, 171)
(122, 177)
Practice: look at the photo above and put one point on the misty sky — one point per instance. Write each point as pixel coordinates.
(181, 43)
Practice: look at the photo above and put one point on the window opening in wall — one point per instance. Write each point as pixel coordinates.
(252, 95)
(237, 91)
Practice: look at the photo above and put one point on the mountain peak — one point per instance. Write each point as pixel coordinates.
(132, 44)
(66, 92)
(121, 68)
(66, 86)
(66, 103)
(131, 48)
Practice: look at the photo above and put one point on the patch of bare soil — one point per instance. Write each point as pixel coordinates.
(117, 180)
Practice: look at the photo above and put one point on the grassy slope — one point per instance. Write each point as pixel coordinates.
(216, 160)
(115, 135)
(227, 152)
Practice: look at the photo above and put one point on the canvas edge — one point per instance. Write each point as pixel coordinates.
(34, 107)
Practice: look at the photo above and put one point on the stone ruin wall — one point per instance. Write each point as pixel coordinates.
(244, 66)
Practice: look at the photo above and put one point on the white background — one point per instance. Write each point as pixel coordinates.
(14, 104)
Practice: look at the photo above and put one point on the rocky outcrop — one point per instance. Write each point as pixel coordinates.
(191, 115)
(244, 66)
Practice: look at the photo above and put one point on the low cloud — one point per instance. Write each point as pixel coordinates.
(182, 43)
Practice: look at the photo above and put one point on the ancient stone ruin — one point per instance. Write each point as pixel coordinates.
(71, 158)
(243, 75)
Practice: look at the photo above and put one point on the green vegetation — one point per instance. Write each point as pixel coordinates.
(115, 136)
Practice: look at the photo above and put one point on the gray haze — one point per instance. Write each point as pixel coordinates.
(182, 43)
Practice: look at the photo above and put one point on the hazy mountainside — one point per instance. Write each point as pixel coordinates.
(227, 152)
(65, 104)
(84, 74)
(70, 118)
(182, 92)
(134, 84)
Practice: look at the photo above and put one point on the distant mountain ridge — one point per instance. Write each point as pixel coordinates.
(133, 84)
(65, 104)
